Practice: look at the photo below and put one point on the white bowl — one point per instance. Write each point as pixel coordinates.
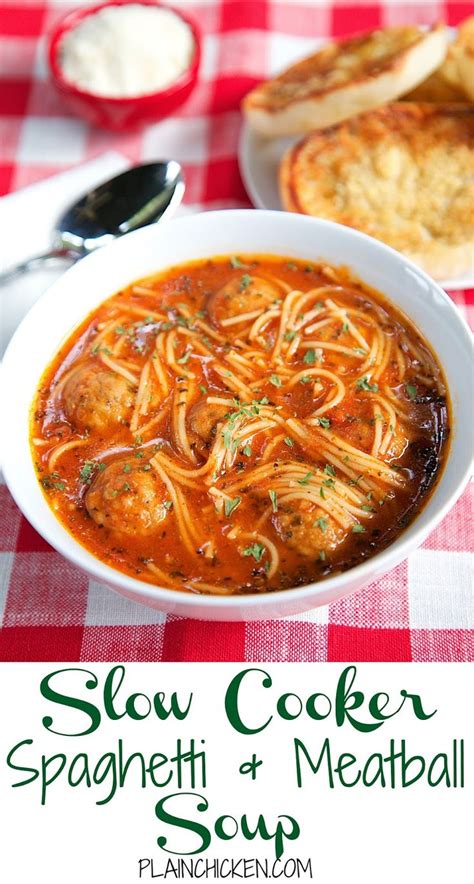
(154, 248)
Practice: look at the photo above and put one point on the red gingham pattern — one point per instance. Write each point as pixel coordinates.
(49, 610)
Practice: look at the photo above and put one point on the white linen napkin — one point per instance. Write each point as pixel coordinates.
(27, 219)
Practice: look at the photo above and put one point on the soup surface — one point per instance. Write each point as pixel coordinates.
(242, 424)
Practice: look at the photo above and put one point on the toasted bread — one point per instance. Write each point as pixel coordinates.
(458, 67)
(454, 80)
(436, 88)
(448, 71)
(403, 174)
(465, 56)
(344, 79)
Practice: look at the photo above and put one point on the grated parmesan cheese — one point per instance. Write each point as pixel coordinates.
(126, 51)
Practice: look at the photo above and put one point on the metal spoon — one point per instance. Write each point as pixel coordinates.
(137, 197)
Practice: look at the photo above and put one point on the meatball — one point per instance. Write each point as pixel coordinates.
(94, 398)
(203, 419)
(128, 499)
(241, 294)
(309, 533)
(357, 429)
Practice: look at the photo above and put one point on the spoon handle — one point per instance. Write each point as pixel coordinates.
(36, 261)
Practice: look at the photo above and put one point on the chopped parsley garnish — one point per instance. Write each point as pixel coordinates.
(322, 494)
(310, 357)
(288, 441)
(227, 437)
(275, 380)
(411, 391)
(329, 470)
(245, 409)
(236, 263)
(138, 441)
(323, 422)
(256, 550)
(247, 450)
(367, 508)
(146, 467)
(363, 384)
(184, 322)
(329, 483)
(322, 555)
(126, 468)
(168, 504)
(290, 335)
(305, 479)
(87, 470)
(273, 497)
(360, 351)
(321, 523)
(358, 529)
(306, 379)
(230, 505)
(203, 389)
(184, 358)
(53, 482)
(245, 281)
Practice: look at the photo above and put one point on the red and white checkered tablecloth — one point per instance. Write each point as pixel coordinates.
(422, 610)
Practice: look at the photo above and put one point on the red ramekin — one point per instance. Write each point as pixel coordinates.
(121, 114)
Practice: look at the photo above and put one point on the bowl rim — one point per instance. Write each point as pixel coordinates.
(339, 584)
(69, 21)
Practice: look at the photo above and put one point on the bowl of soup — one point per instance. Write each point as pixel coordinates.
(239, 415)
